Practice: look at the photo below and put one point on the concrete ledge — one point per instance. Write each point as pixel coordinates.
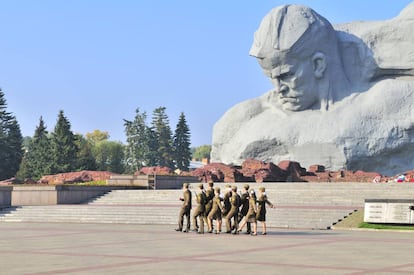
(5, 195)
(129, 180)
(34, 195)
(151, 181)
(172, 182)
(79, 194)
(51, 195)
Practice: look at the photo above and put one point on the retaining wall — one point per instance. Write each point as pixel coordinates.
(151, 181)
(50, 195)
(5, 195)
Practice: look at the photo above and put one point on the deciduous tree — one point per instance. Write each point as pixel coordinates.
(202, 151)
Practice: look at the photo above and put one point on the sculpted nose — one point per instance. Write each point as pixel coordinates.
(276, 84)
(279, 87)
(283, 89)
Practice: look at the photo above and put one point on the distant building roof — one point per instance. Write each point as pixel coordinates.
(196, 164)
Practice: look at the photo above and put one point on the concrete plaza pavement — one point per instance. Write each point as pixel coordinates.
(69, 248)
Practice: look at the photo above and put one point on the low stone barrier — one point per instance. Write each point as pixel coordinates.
(34, 195)
(129, 180)
(397, 211)
(51, 195)
(73, 194)
(151, 181)
(5, 196)
(78, 194)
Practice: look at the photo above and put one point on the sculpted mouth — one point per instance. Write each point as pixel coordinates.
(289, 99)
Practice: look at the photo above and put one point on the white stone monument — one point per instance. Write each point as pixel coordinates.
(343, 95)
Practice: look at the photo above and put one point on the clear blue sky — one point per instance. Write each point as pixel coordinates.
(99, 60)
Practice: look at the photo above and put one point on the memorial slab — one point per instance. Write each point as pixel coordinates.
(389, 211)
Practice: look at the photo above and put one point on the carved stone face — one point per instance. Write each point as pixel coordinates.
(294, 80)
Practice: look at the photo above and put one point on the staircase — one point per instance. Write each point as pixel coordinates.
(298, 205)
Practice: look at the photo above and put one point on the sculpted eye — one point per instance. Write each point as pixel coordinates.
(286, 76)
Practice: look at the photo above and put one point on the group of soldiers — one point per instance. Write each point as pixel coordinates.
(237, 210)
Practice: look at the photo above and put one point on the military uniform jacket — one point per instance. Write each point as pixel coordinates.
(209, 196)
(251, 213)
(186, 200)
(201, 200)
(235, 203)
(216, 208)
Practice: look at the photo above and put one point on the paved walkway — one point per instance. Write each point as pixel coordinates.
(59, 248)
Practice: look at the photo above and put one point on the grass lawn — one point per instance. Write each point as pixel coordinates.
(356, 220)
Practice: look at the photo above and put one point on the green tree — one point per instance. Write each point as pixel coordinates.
(64, 146)
(152, 158)
(202, 151)
(160, 124)
(109, 156)
(26, 142)
(181, 144)
(39, 154)
(25, 170)
(97, 136)
(85, 157)
(116, 161)
(11, 142)
(136, 149)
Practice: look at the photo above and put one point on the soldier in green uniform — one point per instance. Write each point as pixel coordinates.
(234, 211)
(244, 202)
(226, 199)
(210, 196)
(200, 210)
(215, 212)
(251, 214)
(261, 208)
(185, 209)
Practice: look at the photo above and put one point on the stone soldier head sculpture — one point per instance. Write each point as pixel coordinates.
(298, 50)
(343, 95)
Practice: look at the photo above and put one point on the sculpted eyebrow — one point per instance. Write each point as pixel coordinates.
(279, 72)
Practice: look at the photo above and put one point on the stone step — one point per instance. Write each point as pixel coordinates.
(298, 205)
(317, 218)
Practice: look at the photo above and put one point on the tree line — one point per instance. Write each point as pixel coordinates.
(61, 150)
(155, 144)
(11, 139)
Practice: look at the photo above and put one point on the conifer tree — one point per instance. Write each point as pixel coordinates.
(136, 149)
(63, 146)
(25, 171)
(152, 155)
(39, 155)
(11, 142)
(160, 124)
(181, 144)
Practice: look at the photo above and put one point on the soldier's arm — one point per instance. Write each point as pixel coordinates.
(255, 207)
(268, 202)
(220, 205)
